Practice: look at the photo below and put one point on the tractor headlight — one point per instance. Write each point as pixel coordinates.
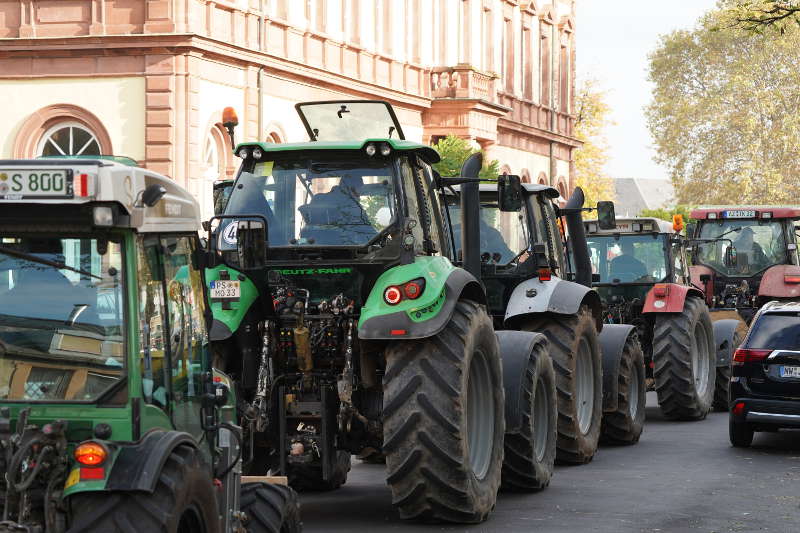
(103, 216)
(258, 153)
(370, 149)
(243, 153)
(386, 149)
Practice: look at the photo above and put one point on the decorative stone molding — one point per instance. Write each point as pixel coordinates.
(39, 122)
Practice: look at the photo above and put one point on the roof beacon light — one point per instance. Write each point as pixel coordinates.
(386, 149)
(677, 223)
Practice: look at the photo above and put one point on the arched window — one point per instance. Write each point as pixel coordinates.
(212, 162)
(68, 138)
(542, 178)
(505, 170)
(273, 137)
(525, 176)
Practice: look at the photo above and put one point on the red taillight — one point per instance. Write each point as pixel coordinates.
(545, 274)
(90, 453)
(412, 290)
(660, 290)
(397, 332)
(392, 295)
(92, 474)
(746, 355)
(791, 278)
(738, 409)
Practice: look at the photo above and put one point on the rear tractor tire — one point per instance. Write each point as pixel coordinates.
(531, 453)
(270, 508)
(685, 359)
(309, 478)
(444, 420)
(625, 424)
(184, 501)
(575, 351)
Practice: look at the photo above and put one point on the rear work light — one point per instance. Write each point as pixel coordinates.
(746, 355)
(410, 290)
(90, 453)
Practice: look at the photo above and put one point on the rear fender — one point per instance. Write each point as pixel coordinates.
(554, 296)
(673, 301)
(773, 284)
(695, 271)
(426, 316)
(724, 339)
(228, 315)
(612, 344)
(516, 349)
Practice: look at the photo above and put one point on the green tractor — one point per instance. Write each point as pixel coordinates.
(111, 416)
(342, 318)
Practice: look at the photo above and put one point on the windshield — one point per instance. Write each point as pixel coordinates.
(776, 331)
(628, 258)
(61, 317)
(343, 121)
(759, 244)
(344, 203)
(504, 235)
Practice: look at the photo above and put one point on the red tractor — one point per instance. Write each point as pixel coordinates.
(742, 258)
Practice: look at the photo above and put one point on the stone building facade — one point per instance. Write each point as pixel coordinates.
(149, 78)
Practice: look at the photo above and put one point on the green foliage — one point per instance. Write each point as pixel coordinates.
(454, 151)
(758, 15)
(724, 112)
(590, 159)
(666, 214)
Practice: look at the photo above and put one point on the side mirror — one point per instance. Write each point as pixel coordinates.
(222, 191)
(730, 257)
(690, 229)
(152, 194)
(606, 218)
(251, 243)
(509, 193)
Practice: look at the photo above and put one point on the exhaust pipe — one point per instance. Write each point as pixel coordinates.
(577, 237)
(470, 216)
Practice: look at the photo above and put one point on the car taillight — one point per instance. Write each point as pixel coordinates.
(660, 290)
(410, 290)
(746, 355)
(738, 409)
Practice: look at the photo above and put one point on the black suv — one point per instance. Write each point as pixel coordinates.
(765, 382)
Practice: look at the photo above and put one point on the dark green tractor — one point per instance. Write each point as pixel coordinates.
(111, 417)
(348, 329)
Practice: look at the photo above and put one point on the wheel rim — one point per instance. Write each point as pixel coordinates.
(480, 415)
(700, 364)
(191, 522)
(541, 420)
(584, 386)
(633, 394)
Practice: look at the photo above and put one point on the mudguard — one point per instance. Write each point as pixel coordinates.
(695, 271)
(724, 335)
(516, 348)
(227, 321)
(138, 465)
(773, 284)
(554, 296)
(673, 299)
(425, 316)
(612, 344)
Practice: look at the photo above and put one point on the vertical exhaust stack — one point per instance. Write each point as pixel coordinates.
(470, 216)
(577, 236)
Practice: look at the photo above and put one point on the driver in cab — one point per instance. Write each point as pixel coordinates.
(750, 256)
(627, 267)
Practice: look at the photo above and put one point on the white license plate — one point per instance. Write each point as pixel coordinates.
(225, 289)
(790, 371)
(739, 213)
(17, 184)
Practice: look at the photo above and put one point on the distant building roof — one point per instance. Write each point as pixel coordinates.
(635, 194)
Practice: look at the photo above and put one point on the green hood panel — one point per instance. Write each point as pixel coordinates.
(435, 271)
(227, 321)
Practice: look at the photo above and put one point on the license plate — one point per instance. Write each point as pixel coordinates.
(225, 290)
(18, 184)
(739, 213)
(790, 371)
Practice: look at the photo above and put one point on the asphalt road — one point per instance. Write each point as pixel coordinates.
(682, 476)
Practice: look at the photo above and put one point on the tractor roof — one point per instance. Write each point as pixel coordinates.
(427, 153)
(737, 211)
(630, 225)
(91, 181)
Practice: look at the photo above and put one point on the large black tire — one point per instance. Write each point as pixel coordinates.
(270, 508)
(184, 501)
(723, 378)
(574, 346)
(684, 361)
(309, 478)
(740, 433)
(625, 424)
(443, 420)
(531, 453)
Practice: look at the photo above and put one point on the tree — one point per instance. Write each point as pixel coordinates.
(666, 214)
(758, 15)
(724, 112)
(592, 113)
(454, 151)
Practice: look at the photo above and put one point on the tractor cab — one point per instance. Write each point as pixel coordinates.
(745, 256)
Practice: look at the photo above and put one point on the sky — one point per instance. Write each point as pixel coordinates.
(614, 39)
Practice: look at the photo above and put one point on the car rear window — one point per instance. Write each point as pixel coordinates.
(776, 331)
